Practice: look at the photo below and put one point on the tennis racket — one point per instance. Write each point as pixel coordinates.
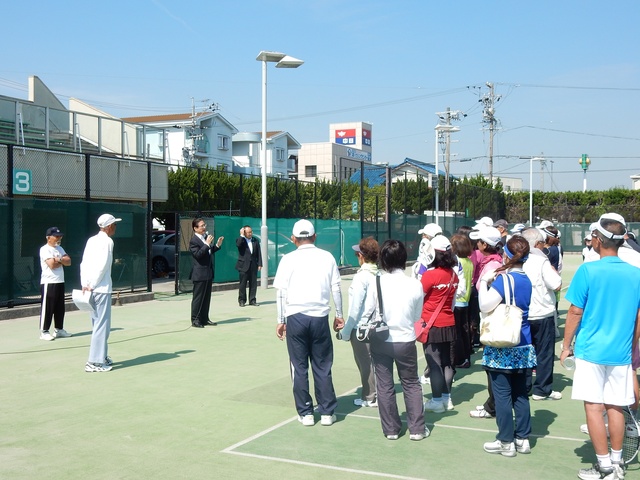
(631, 440)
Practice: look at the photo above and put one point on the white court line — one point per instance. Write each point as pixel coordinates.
(232, 448)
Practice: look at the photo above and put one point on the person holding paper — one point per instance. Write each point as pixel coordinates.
(52, 259)
(95, 277)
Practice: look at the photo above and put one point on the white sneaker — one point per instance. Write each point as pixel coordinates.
(433, 406)
(365, 403)
(416, 437)
(504, 449)
(480, 412)
(522, 445)
(62, 333)
(449, 405)
(327, 420)
(425, 380)
(307, 420)
(46, 336)
(96, 367)
(598, 473)
(392, 437)
(552, 396)
(585, 429)
(620, 468)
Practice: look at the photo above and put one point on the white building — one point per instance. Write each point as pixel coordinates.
(202, 138)
(247, 158)
(348, 148)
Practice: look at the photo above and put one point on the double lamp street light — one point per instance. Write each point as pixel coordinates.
(282, 61)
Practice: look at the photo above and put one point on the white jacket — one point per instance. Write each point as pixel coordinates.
(545, 281)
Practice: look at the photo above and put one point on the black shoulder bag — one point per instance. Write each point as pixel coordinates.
(375, 328)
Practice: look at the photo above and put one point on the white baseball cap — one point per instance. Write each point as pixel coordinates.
(431, 229)
(484, 221)
(303, 229)
(107, 219)
(489, 235)
(518, 227)
(441, 243)
(545, 224)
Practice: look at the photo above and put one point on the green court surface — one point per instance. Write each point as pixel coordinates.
(216, 403)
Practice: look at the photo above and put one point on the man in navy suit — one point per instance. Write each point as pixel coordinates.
(201, 275)
(248, 264)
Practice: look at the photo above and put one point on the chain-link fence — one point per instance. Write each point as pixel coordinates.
(24, 223)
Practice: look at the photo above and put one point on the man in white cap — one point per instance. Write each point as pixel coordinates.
(95, 277)
(605, 331)
(305, 281)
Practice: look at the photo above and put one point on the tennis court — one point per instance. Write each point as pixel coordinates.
(216, 403)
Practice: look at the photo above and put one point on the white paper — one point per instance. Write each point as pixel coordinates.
(82, 300)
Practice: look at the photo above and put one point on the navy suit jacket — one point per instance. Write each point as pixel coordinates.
(247, 259)
(203, 261)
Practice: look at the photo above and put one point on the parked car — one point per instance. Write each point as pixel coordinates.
(163, 250)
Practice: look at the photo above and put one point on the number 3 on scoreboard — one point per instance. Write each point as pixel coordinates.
(22, 182)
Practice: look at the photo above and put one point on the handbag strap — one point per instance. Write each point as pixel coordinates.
(508, 288)
(379, 296)
(436, 312)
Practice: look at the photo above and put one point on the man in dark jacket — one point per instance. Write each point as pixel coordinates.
(201, 275)
(248, 264)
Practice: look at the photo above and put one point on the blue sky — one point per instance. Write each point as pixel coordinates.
(568, 72)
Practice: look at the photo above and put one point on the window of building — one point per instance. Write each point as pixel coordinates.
(311, 170)
(280, 154)
(223, 142)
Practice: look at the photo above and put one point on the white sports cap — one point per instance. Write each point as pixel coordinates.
(431, 229)
(545, 224)
(518, 227)
(107, 219)
(303, 229)
(606, 233)
(489, 235)
(484, 221)
(441, 243)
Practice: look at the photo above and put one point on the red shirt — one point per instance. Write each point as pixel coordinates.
(436, 283)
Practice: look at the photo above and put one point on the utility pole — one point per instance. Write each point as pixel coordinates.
(488, 117)
(446, 117)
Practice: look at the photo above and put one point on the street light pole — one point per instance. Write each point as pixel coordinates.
(282, 61)
(531, 159)
(436, 187)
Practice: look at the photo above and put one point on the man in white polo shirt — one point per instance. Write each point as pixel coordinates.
(305, 280)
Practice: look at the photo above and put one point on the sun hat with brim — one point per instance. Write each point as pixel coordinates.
(356, 248)
(545, 224)
(441, 243)
(489, 235)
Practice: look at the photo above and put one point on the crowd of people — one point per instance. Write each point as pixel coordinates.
(455, 282)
